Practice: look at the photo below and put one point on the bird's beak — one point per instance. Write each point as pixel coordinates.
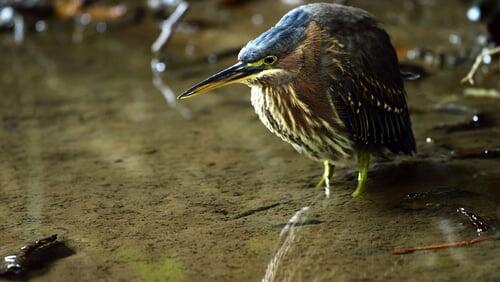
(239, 72)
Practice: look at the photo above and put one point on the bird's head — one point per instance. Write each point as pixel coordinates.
(275, 57)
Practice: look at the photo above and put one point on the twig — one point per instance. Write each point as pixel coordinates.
(479, 59)
(168, 25)
(402, 251)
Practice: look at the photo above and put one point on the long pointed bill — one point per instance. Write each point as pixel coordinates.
(234, 74)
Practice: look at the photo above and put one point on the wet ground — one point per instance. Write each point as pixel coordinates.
(90, 150)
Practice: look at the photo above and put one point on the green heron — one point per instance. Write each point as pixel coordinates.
(326, 79)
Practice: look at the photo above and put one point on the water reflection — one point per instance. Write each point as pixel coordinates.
(158, 68)
(88, 148)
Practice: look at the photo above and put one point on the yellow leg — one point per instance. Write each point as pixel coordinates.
(363, 163)
(327, 173)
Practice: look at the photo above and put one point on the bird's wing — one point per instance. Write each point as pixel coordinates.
(368, 93)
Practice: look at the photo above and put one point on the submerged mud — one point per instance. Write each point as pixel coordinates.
(90, 150)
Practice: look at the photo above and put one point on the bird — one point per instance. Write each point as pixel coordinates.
(326, 79)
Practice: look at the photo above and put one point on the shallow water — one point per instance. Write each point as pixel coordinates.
(90, 150)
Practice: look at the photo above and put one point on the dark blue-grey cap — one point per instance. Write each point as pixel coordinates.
(280, 39)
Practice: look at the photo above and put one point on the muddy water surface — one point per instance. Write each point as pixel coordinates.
(90, 150)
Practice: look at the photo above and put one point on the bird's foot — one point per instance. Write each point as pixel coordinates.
(360, 190)
(325, 179)
(363, 163)
(321, 182)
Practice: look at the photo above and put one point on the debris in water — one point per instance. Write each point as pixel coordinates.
(158, 66)
(431, 199)
(482, 92)
(33, 255)
(438, 246)
(476, 153)
(421, 200)
(475, 121)
(487, 52)
(475, 219)
(168, 25)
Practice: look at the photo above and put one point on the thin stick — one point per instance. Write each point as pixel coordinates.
(479, 59)
(402, 251)
(168, 25)
(167, 28)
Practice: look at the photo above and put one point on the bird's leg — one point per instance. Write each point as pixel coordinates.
(363, 163)
(327, 173)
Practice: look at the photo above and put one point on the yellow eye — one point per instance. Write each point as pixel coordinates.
(270, 60)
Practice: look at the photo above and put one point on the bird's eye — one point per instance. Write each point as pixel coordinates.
(270, 60)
